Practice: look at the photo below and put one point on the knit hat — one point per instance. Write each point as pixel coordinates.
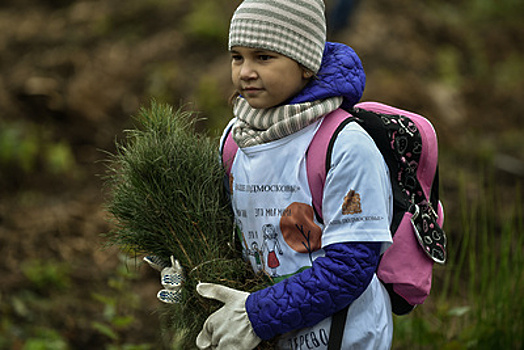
(293, 28)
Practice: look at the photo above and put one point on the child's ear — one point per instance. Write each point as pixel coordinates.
(307, 74)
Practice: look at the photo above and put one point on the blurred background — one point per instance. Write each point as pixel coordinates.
(72, 73)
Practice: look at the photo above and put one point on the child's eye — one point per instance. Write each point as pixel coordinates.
(264, 57)
(236, 58)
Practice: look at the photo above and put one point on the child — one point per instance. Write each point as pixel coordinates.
(288, 78)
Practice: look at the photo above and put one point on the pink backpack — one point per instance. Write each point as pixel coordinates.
(408, 144)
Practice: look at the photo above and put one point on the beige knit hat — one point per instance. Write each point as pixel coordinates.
(294, 28)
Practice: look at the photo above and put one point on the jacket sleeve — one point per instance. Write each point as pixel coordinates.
(333, 282)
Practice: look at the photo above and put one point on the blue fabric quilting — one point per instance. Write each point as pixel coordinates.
(341, 74)
(333, 282)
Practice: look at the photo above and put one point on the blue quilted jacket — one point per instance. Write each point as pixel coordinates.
(341, 276)
(341, 74)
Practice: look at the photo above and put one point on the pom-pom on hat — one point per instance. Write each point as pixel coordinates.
(294, 28)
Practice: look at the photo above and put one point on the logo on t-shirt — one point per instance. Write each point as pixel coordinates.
(351, 203)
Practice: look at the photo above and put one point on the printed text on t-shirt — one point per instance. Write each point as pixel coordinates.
(266, 188)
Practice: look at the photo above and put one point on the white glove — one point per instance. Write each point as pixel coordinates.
(229, 327)
(171, 278)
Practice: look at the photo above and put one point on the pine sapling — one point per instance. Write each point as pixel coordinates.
(166, 198)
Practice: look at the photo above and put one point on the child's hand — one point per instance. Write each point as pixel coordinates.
(171, 278)
(229, 327)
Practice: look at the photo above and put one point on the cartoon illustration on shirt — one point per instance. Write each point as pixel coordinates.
(351, 203)
(271, 244)
(299, 229)
(256, 255)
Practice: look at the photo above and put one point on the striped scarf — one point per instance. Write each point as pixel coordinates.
(257, 126)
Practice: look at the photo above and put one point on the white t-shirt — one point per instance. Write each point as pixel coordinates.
(281, 236)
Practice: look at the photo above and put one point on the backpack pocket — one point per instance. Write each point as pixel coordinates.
(405, 266)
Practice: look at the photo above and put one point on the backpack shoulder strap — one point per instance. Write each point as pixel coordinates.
(228, 149)
(317, 153)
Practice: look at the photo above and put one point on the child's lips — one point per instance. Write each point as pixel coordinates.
(251, 90)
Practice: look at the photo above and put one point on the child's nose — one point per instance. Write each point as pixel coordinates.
(248, 72)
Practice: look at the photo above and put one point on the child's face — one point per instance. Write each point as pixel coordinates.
(265, 78)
